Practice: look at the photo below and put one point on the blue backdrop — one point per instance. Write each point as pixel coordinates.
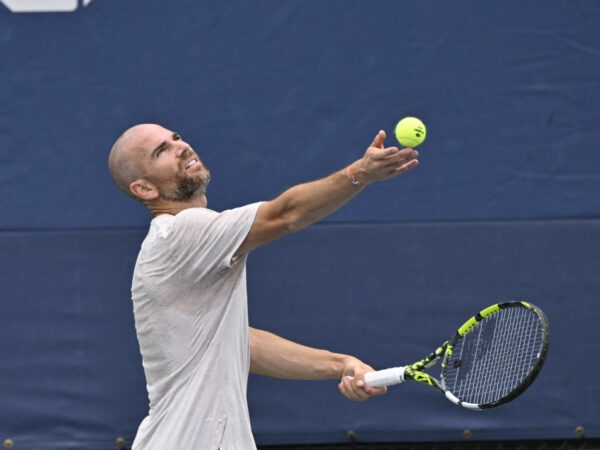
(504, 204)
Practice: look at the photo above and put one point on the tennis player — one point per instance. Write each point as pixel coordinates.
(189, 289)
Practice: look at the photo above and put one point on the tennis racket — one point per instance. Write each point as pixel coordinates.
(490, 360)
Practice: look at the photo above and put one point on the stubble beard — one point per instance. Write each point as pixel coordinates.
(187, 188)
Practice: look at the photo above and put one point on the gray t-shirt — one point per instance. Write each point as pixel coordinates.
(191, 318)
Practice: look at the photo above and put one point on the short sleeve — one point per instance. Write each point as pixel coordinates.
(205, 241)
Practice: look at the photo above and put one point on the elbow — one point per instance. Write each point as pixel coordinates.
(282, 218)
(291, 224)
(294, 221)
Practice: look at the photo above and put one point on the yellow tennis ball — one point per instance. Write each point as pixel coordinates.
(410, 132)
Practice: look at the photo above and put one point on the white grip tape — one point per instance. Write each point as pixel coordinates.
(385, 377)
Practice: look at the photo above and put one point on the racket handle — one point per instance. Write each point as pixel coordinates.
(385, 377)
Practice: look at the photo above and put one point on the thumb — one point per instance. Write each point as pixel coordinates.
(379, 138)
(360, 381)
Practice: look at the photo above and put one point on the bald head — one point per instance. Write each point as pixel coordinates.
(124, 162)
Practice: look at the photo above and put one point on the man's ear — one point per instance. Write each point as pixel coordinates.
(143, 189)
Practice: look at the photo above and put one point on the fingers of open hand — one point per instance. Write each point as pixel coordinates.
(402, 156)
(406, 166)
(391, 155)
(390, 161)
(354, 389)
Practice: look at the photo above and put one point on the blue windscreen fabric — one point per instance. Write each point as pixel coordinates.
(503, 206)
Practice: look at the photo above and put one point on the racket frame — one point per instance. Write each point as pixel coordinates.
(416, 371)
(471, 325)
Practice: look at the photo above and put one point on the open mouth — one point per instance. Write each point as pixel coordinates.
(191, 162)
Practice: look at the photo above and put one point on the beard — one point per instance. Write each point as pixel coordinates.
(187, 188)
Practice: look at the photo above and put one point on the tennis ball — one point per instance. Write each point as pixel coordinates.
(410, 132)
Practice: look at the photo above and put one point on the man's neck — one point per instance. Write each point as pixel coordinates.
(162, 206)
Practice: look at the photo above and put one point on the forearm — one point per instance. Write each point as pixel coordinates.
(307, 203)
(278, 357)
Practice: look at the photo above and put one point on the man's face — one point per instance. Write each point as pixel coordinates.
(171, 164)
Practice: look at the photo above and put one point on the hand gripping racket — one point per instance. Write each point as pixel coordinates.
(490, 360)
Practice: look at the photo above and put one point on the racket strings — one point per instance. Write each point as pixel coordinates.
(495, 357)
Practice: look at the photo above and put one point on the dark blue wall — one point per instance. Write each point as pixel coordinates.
(504, 204)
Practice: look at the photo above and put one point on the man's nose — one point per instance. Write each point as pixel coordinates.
(183, 151)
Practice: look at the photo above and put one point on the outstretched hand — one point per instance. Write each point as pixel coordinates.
(381, 163)
(352, 384)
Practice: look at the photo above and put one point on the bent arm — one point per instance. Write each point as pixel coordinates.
(307, 203)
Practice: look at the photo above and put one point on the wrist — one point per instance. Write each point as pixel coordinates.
(345, 365)
(355, 177)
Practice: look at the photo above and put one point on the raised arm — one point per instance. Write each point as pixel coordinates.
(280, 358)
(307, 203)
